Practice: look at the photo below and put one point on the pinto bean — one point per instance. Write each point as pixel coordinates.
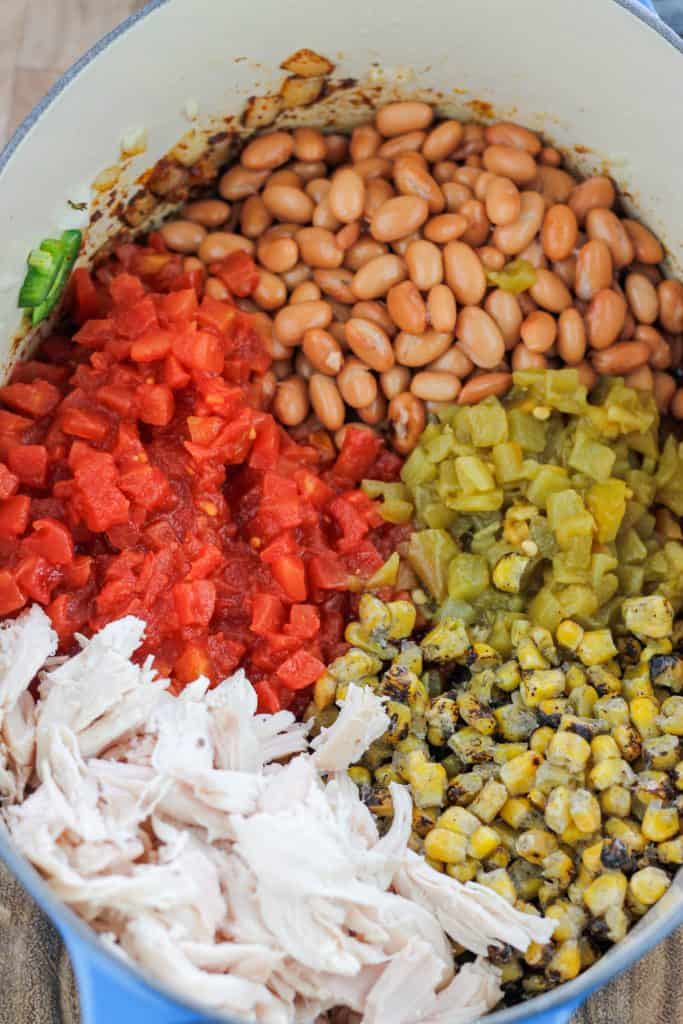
(441, 308)
(559, 232)
(346, 197)
(290, 403)
(292, 322)
(594, 269)
(322, 351)
(356, 384)
(398, 217)
(267, 151)
(605, 317)
(592, 194)
(375, 278)
(480, 337)
(370, 343)
(505, 310)
(435, 386)
(648, 249)
(512, 238)
(210, 213)
(622, 358)
(406, 416)
(670, 294)
(326, 400)
(509, 162)
(606, 225)
(403, 116)
(642, 298)
(406, 307)
(476, 389)
(571, 340)
(420, 349)
(183, 236)
(394, 381)
(442, 140)
(464, 273)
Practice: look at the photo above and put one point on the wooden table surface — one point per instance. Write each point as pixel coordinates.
(39, 40)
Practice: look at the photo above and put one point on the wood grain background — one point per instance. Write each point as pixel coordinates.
(38, 41)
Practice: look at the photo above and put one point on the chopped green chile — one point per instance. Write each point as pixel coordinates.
(541, 503)
(48, 270)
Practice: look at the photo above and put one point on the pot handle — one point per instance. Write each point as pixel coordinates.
(106, 997)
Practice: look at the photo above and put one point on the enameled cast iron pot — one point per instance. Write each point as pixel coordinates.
(603, 73)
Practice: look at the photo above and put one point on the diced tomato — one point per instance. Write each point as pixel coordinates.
(146, 485)
(29, 463)
(51, 540)
(285, 544)
(14, 515)
(204, 429)
(99, 499)
(300, 670)
(67, 614)
(36, 399)
(359, 452)
(152, 345)
(11, 598)
(157, 404)
(215, 314)
(179, 307)
(312, 488)
(193, 663)
(84, 297)
(13, 427)
(88, 424)
(238, 271)
(132, 321)
(304, 621)
(36, 578)
(267, 614)
(95, 333)
(205, 563)
(353, 526)
(120, 400)
(266, 446)
(268, 699)
(327, 572)
(9, 483)
(199, 350)
(195, 602)
(126, 289)
(174, 375)
(290, 573)
(77, 574)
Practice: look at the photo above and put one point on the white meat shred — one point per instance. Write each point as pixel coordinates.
(205, 842)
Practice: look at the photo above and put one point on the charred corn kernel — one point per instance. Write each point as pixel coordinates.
(465, 872)
(483, 842)
(614, 771)
(604, 681)
(475, 714)
(402, 616)
(596, 647)
(582, 697)
(500, 858)
(648, 616)
(651, 786)
(565, 963)
(550, 775)
(508, 676)
(504, 752)
(500, 881)
(464, 787)
(609, 890)
(588, 954)
(324, 691)
(374, 614)
(557, 810)
(458, 819)
(482, 657)
(540, 685)
(591, 857)
(603, 748)
(616, 802)
(628, 740)
(569, 634)
(573, 835)
(436, 864)
(637, 686)
(612, 711)
(648, 885)
(515, 722)
(577, 890)
(400, 684)
(568, 751)
(489, 802)
(571, 920)
(553, 710)
(471, 746)
(529, 656)
(677, 776)
(447, 846)
(628, 832)
(361, 776)
(373, 643)
(424, 820)
(400, 718)
(428, 781)
(535, 844)
(667, 670)
(661, 752)
(671, 852)
(448, 641)
(585, 810)
(442, 720)
(538, 955)
(354, 665)
(519, 774)
(575, 676)
(518, 813)
(558, 867)
(541, 738)
(617, 922)
(660, 823)
(671, 718)
(378, 753)
(380, 803)
(537, 798)
(509, 572)
(511, 972)
(643, 712)
(410, 657)
(386, 774)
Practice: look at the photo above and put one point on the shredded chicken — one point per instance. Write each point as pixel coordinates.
(205, 842)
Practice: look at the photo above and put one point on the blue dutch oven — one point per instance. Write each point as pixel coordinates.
(603, 73)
